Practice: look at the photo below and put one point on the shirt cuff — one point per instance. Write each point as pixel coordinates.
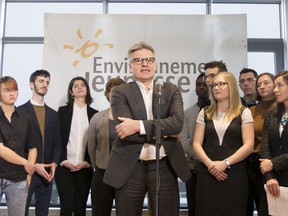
(87, 164)
(142, 128)
(63, 162)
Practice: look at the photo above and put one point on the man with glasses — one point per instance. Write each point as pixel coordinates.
(131, 168)
(211, 69)
(247, 81)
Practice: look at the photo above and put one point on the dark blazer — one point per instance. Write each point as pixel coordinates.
(65, 114)
(127, 101)
(52, 139)
(272, 148)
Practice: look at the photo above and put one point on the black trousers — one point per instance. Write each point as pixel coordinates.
(263, 211)
(102, 195)
(191, 193)
(42, 189)
(129, 198)
(255, 183)
(73, 189)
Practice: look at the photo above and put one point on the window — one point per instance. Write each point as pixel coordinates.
(258, 23)
(156, 8)
(26, 19)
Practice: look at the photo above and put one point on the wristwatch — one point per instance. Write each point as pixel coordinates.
(227, 162)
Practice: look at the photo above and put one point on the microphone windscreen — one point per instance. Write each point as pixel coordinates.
(159, 84)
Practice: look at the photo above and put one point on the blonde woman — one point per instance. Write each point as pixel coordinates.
(223, 138)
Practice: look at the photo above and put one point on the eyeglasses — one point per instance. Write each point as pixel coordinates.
(220, 85)
(248, 80)
(210, 76)
(139, 61)
(265, 83)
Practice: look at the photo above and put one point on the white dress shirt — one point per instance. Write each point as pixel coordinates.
(148, 151)
(78, 135)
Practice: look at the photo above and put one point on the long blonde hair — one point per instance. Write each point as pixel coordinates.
(234, 98)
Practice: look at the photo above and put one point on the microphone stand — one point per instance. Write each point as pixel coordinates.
(158, 143)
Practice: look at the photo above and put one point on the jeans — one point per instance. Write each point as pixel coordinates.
(16, 196)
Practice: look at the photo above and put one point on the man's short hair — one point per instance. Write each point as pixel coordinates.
(201, 75)
(37, 73)
(140, 46)
(249, 70)
(219, 64)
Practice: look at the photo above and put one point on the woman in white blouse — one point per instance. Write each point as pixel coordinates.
(73, 176)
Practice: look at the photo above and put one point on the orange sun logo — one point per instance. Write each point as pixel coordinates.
(88, 48)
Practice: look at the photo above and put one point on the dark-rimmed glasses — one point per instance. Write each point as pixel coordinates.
(139, 61)
(248, 80)
(220, 85)
(210, 76)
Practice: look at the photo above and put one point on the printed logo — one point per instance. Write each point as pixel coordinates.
(88, 48)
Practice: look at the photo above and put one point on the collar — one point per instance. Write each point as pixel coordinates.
(35, 103)
(2, 112)
(76, 107)
(143, 87)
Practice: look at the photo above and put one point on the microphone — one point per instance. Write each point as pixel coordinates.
(159, 85)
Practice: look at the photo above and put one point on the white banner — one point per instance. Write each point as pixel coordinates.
(95, 47)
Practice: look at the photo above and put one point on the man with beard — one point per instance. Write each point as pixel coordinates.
(46, 122)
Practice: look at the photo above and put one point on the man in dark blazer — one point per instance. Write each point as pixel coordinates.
(46, 122)
(132, 165)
